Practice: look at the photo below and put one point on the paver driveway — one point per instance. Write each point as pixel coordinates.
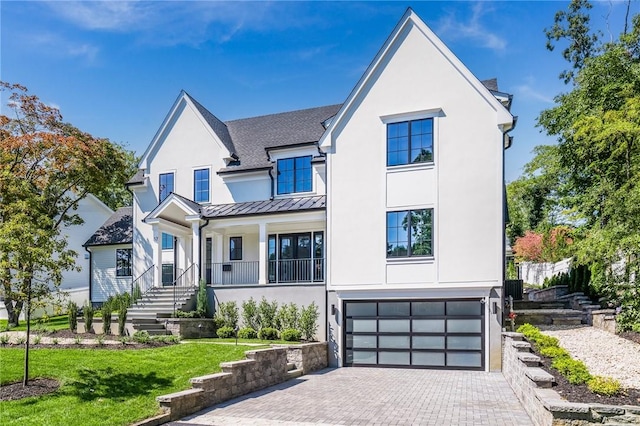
(366, 396)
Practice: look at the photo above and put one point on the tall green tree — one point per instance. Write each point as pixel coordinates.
(46, 167)
(595, 166)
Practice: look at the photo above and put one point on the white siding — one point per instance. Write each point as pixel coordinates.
(105, 283)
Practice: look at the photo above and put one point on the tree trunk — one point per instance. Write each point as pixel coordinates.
(25, 380)
(13, 311)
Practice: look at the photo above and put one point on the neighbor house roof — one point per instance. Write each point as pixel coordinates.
(280, 205)
(136, 179)
(118, 229)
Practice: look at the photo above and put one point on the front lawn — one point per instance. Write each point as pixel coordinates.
(106, 387)
(60, 322)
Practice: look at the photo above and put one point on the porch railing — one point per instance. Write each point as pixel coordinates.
(296, 270)
(234, 272)
(183, 283)
(141, 285)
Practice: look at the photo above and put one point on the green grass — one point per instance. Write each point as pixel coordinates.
(60, 322)
(106, 387)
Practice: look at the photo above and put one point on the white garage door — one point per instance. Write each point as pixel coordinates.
(414, 333)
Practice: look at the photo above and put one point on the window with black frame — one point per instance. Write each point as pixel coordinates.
(410, 142)
(410, 233)
(294, 175)
(235, 248)
(123, 262)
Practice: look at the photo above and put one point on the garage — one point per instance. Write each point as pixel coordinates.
(444, 334)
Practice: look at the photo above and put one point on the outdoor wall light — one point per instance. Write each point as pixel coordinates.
(333, 309)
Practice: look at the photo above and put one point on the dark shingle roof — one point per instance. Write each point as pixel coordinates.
(136, 179)
(280, 205)
(216, 125)
(252, 136)
(491, 84)
(118, 229)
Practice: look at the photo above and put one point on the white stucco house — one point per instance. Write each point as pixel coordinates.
(386, 210)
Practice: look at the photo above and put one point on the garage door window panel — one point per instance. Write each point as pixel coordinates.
(428, 342)
(394, 358)
(394, 342)
(464, 326)
(428, 359)
(464, 342)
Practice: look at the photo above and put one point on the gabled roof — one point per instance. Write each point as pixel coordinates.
(216, 125)
(279, 205)
(252, 137)
(188, 206)
(411, 18)
(118, 229)
(136, 179)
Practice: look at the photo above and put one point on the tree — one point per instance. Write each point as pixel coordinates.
(595, 165)
(46, 167)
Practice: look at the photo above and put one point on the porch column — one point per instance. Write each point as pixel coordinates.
(262, 253)
(157, 256)
(195, 246)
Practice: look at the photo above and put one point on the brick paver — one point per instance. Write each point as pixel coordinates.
(375, 396)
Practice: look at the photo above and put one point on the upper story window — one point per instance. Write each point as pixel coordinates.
(410, 142)
(201, 186)
(165, 186)
(167, 241)
(410, 233)
(235, 248)
(123, 262)
(294, 175)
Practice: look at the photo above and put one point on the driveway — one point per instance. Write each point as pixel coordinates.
(374, 396)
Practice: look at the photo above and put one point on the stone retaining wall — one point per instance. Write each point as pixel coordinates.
(604, 319)
(96, 326)
(191, 328)
(532, 386)
(548, 294)
(261, 369)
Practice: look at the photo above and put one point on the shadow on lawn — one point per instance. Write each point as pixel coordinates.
(109, 384)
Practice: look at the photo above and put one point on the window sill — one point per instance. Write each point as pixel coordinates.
(412, 166)
(410, 259)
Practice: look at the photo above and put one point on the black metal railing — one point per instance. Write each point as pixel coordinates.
(296, 270)
(235, 272)
(184, 282)
(142, 284)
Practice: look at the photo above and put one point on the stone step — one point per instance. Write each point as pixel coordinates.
(153, 332)
(142, 320)
(540, 377)
(575, 320)
(529, 359)
(292, 374)
(140, 326)
(291, 366)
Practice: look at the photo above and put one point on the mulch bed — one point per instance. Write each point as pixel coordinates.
(581, 393)
(35, 387)
(630, 335)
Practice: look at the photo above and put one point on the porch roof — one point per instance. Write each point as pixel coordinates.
(280, 205)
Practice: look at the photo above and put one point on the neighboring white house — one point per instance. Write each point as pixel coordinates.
(110, 248)
(386, 211)
(75, 284)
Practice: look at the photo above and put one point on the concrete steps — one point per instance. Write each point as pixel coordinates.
(156, 304)
(292, 371)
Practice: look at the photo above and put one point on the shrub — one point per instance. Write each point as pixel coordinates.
(554, 352)
(250, 315)
(37, 339)
(100, 340)
(268, 333)
(77, 340)
(189, 314)
(226, 332)
(4, 339)
(291, 335)
(309, 321)
(267, 313)
(106, 309)
(288, 316)
(528, 331)
(21, 340)
(167, 338)
(87, 313)
(544, 341)
(141, 336)
(55, 341)
(227, 312)
(122, 319)
(573, 370)
(202, 303)
(604, 386)
(72, 311)
(247, 333)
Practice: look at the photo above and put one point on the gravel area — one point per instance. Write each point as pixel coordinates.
(604, 354)
(14, 337)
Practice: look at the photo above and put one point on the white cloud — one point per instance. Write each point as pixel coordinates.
(454, 28)
(57, 45)
(171, 23)
(529, 90)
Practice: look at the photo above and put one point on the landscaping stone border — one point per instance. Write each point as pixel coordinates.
(532, 386)
(261, 369)
(604, 319)
(548, 294)
(190, 328)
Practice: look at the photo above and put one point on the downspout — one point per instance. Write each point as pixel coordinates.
(272, 183)
(507, 141)
(90, 275)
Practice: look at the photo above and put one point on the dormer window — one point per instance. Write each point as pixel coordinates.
(294, 175)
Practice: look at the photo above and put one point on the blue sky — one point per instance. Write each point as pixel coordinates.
(115, 68)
